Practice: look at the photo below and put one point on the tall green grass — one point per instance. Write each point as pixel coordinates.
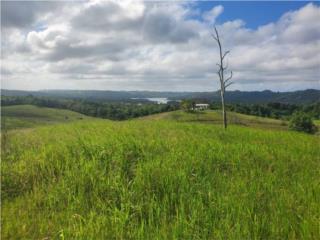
(159, 180)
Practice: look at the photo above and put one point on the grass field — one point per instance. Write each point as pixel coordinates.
(215, 117)
(27, 116)
(170, 178)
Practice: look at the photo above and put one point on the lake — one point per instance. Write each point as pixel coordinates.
(157, 100)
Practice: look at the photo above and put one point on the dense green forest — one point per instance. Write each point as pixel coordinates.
(109, 110)
(122, 110)
(271, 110)
(297, 97)
(276, 110)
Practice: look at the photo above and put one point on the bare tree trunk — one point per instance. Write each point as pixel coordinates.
(224, 115)
(224, 83)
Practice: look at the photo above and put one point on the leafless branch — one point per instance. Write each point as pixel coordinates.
(216, 31)
(225, 54)
(227, 85)
(226, 67)
(214, 37)
(229, 78)
(219, 74)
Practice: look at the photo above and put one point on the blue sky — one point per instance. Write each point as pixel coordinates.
(253, 13)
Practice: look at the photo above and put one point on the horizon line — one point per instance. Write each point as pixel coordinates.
(157, 91)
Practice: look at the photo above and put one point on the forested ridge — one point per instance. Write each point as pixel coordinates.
(122, 110)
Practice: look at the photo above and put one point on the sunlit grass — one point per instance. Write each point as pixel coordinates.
(215, 117)
(159, 180)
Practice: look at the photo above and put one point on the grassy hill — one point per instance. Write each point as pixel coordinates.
(215, 117)
(174, 178)
(26, 116)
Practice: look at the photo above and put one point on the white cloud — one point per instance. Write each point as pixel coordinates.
(211, 15)
(155, 46)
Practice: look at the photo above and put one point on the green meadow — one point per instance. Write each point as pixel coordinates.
(28, 116)
(168, 176)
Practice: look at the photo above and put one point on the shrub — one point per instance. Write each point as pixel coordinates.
(187, 105)
(302, 122)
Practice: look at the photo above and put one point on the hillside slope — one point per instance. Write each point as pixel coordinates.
(215, 117)
(26, 116)
(142, 179)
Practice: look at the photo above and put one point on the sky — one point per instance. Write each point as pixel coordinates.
(159, 46)
(253, 13)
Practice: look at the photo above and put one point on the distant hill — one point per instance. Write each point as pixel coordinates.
(296, 97)
(26, 116)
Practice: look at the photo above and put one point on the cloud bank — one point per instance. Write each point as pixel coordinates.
(152, 46)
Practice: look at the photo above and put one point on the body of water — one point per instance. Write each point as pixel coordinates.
(157, 100)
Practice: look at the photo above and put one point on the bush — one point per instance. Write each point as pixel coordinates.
(187, 105)
(302, 122)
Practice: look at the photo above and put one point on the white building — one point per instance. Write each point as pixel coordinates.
(201, 106)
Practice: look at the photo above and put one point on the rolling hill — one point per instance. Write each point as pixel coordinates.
(215, 117)
(26, 116)
(168, 176)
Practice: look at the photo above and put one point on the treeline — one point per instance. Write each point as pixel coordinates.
(273, 110)
(114, 110)
(130, 109)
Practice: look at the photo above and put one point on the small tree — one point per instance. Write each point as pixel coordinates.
(302, 122)
(188, 105)
(224, 83)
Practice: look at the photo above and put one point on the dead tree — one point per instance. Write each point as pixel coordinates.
(224, 83)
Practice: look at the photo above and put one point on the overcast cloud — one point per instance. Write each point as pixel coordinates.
(152, 46)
